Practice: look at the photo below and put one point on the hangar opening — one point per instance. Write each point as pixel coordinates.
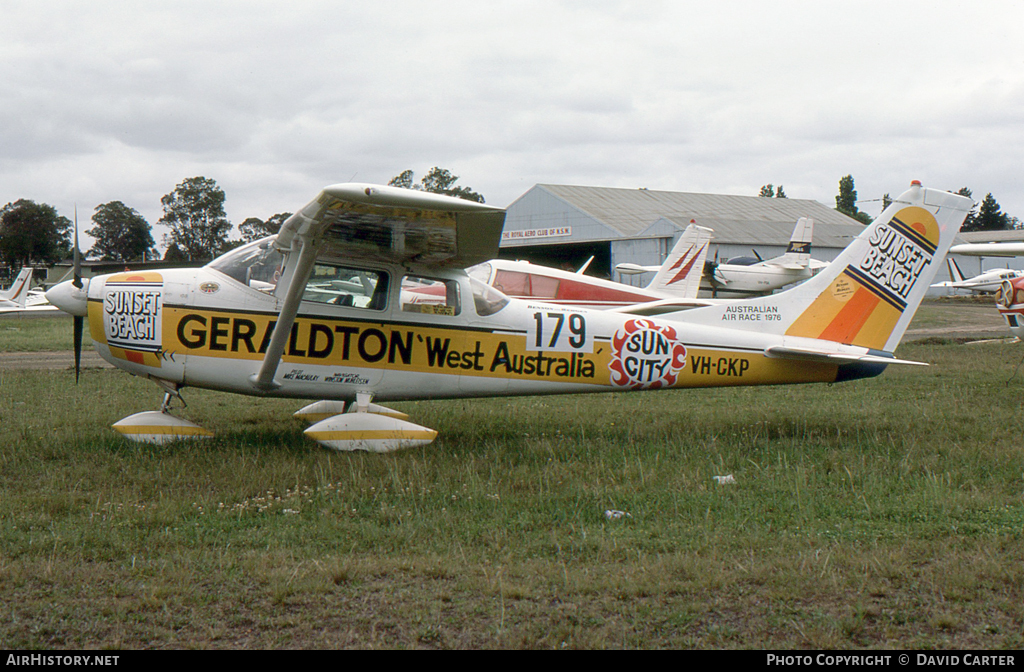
(563, 225)
(566, 256)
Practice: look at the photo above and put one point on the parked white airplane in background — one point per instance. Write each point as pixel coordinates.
(19, 297)
(214, 327)
(989, 281)
(677, 278)
(18, 291)
(752, 275)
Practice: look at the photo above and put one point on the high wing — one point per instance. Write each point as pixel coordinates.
(373, 222)
(391, 224)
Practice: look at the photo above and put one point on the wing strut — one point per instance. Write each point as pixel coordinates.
(264, 380)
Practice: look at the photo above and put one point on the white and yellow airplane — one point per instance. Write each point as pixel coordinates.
(317, 313)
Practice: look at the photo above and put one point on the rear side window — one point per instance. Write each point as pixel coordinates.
(430, 295)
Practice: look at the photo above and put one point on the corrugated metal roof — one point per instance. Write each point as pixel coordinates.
(630, 211)
(731, 232)
(744, 220)
(1007, 236)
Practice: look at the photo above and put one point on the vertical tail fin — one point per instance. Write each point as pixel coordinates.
(18, 291)
(869, 294)
(955, 274)
(798, 253)
(680, 274)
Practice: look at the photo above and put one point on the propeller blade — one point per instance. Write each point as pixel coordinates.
(77, 268)
(79, 321)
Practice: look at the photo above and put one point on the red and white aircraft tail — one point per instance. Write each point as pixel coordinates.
(17, 293)
(679, 276)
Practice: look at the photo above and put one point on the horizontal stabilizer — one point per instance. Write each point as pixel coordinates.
(833, 357)
(662, 306)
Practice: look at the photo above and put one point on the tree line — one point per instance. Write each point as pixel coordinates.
(985, 216)
(35, 233)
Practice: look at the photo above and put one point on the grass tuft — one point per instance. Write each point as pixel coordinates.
(878, 513)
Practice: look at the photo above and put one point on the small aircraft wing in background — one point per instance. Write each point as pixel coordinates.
(989, 249)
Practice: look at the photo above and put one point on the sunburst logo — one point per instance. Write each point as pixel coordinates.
(646, 356)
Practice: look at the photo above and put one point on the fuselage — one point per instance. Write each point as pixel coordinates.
(989, 281)
(757, 277)
(203, 328)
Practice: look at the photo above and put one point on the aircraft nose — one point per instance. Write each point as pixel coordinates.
(70, 299)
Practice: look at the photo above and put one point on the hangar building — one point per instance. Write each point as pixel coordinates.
(562, 226)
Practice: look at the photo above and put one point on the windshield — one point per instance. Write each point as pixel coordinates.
(257, 264)
(481, 272)
(487, 299)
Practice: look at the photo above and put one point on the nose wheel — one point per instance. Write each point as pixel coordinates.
(160, 427)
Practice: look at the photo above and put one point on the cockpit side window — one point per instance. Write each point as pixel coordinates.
(348, 287)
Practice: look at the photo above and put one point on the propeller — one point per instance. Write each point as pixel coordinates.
(711, 272)
(79, 321)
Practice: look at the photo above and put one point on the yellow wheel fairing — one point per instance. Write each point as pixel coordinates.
(160, 428)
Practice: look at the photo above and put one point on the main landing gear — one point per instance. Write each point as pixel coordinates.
(362, 426)
(358, 425)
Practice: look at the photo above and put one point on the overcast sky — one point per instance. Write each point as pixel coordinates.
(105, 101)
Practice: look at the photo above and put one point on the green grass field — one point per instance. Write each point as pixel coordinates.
(878, 513)
(24, 333)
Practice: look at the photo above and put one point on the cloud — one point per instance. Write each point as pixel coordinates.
(122, 101)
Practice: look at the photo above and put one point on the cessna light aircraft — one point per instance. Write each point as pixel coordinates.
(989, 281)
(317, 313)
(749, 275)
(677, 278)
